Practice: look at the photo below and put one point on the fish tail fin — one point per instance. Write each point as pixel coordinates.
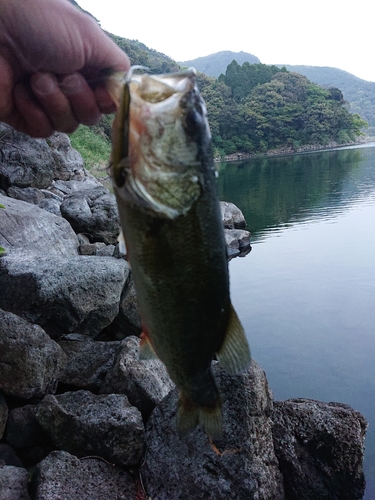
(234, 354)
(189, 415)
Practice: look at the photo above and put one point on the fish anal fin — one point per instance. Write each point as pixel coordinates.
(234, 354)
(189, 415)
(146, 351)
(122, 243)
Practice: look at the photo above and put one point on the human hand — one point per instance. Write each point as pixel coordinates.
(51, 59)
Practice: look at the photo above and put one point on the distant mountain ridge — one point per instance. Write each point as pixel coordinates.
(215, 64)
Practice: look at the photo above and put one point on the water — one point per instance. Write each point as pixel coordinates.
(306, 292)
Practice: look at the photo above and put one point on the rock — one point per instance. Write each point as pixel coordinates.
(64, 188)
(232, 216)
(129, 312)
(23, 428)
(93, 211)
(25, 162)
(13, 483)
(64, 476)
(320, 448)
(78, 294)
(9, 457)
(68, 163)
(51, 205)
(83, 238)
(30, 362)
(28, 194)
(48, 195)
(26, 232)
(85, 424)
(91, 248)
(128, 322)
(145, 383)
(3, 415)
(88, 363)
(238, 242)
(106, 251)
(241, 465)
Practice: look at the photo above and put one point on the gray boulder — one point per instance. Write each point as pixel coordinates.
(64, 476)
(28, 231)
(94, 212)
(238, 242)
(9, 457)
(88, 363)
(91, 248)
(85, 424)
(13, 483)
(68, 163)
(78, 294)
(25, 162)
(28, 194)
(51, 205)
(28, 162)
(241, 465)
(232, 216)
(320, 448)
(3, 415)
(23, 429)
(30, 362)
(145, 383)
(106, 251)
(63, 188)
(128, 321)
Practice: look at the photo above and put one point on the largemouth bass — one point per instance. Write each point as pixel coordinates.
(165, 184)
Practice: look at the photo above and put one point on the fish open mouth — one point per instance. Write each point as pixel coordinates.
(156, 164)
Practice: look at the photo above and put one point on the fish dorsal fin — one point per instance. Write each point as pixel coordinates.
(234, 354)
(146, 351)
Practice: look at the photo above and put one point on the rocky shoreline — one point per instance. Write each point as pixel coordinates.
(286, 151)
(81, 418)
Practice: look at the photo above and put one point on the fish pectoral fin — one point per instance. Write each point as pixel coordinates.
(234, 354)
(146, 351)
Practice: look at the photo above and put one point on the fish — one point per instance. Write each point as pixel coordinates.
(164, 179)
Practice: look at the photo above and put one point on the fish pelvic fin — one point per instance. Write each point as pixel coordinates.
(189, 415)
(234, 354)
(146, 351)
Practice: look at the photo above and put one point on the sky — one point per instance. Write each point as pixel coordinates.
(316, 33)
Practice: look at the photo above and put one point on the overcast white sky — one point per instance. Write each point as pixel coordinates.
(318, 33)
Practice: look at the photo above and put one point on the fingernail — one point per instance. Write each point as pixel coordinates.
(71, 84)
(44, 84)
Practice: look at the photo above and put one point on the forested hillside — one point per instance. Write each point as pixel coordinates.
(359, 93)
(255, 107)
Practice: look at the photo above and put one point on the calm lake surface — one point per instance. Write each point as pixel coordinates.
(306, 292)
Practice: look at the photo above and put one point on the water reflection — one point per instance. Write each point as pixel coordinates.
(276, 192)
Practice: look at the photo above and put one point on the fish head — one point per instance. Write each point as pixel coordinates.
(163, 125)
